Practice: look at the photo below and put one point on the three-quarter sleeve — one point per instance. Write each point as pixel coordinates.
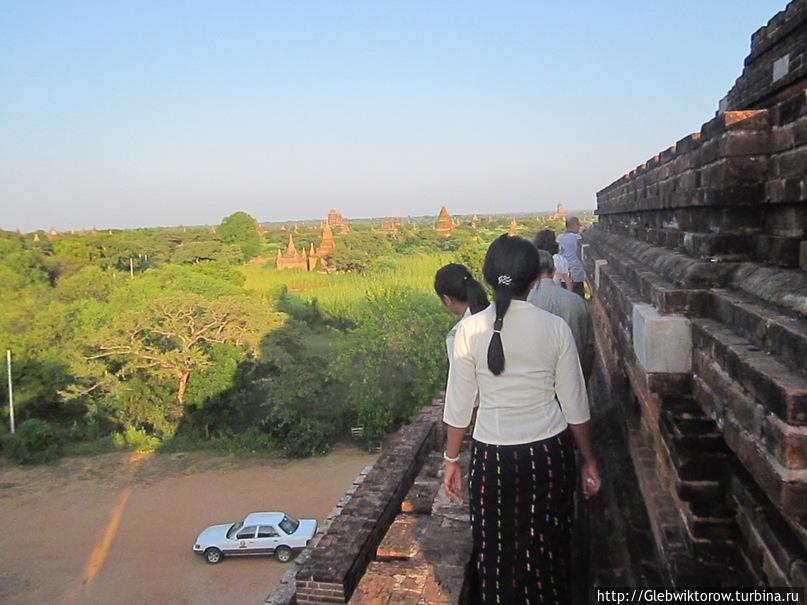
(570, 386)
(461, 391)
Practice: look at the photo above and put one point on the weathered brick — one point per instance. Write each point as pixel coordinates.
(793, 162)
(787, 443)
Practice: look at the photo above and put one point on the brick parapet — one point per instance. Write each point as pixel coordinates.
(782, 40)
(335, 566)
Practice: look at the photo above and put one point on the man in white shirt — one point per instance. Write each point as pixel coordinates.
(570, 307)
(568, 243)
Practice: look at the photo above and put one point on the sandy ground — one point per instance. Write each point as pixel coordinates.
(119, 529)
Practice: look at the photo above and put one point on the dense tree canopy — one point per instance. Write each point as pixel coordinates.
(242, 230)
(164, 335)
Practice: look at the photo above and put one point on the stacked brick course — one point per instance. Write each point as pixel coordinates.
(340, 559)
(703, 248)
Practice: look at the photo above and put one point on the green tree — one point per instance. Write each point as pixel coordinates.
(242, 230)
(161, 346)
(472, 254)
(360, 251)
(206, 251)
(395, 360)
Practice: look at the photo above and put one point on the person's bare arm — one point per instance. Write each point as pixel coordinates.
(452, 480)
(589, 473)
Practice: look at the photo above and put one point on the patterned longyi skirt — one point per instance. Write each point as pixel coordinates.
(521, 500)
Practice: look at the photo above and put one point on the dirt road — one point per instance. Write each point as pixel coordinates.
(118, 529)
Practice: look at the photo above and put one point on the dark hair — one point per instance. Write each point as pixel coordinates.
(546, 264)
(545, 240)
(511, 266)
(456, 281)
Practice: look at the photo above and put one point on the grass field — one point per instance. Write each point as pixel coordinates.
(338, 293)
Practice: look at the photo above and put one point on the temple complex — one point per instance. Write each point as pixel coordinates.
(560, 213)
(308, 260)
(337, 221)
(444, 224)
(513, 229)
(391, 225)
(291, 258)
(475, 221)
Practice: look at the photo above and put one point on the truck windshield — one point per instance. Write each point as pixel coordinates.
(232, 531)
(289, 524)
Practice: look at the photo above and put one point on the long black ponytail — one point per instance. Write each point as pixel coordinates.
(456, 281)
(511, 266)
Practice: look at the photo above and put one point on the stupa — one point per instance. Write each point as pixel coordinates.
(560, 213)
(291, 258)
(444, 224)
(327, 245)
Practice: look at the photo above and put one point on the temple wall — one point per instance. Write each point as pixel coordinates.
(386, 540)
(698, 271)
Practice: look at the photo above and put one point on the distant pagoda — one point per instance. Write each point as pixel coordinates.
(313, 258)
(308, 260)
(337, 221)
(475, 220)
(444, 224)
(391, 225)
(560, 213)
(513, 227)
(327, 245)
(291, 258)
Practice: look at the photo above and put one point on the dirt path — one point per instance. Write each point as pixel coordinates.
(120, 529)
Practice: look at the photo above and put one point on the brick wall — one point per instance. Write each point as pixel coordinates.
(335, 566)
(698, 271)
(777, 62)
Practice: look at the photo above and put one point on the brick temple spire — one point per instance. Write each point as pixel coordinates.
(444, 225)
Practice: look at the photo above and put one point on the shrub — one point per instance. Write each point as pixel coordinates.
(35, 441)
(140, 441)
(309, 438)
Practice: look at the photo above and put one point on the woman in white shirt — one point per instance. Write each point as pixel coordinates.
(460, 293)
(532, 410)
(545, 240)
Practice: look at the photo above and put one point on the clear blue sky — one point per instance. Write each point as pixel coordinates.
(123, 114)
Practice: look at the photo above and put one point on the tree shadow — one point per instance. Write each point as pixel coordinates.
(282, 399)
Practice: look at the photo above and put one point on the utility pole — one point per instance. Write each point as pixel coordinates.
(131, 269)
(10, 391)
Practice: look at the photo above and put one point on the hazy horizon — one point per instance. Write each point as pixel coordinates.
(316, 219)
(146, 114)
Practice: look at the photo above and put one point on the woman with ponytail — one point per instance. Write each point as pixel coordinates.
(460, 293)
(533, 409)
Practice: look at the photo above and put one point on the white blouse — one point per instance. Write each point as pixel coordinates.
(561, 268)
(541, 389)
(452, 334)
